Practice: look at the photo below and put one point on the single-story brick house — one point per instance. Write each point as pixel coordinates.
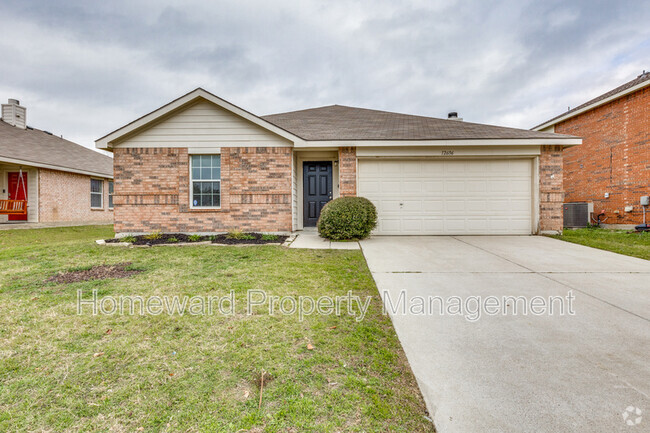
(612, 167)
(201, 164)
(58, 180)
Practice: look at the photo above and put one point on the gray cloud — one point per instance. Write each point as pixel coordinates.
(85, 68)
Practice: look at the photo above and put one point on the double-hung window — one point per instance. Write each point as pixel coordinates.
(110, 194)
(96, 193)
(205, 180)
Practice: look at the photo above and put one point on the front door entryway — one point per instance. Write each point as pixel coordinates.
(317, 189)
(17, 191)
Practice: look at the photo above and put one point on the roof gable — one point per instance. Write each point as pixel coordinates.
(200, 124)
(186, 101)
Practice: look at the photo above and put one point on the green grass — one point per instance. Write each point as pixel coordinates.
(193, 373)
(618, 241)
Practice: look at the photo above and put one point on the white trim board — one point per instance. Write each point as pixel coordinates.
(447, 152)
(566, 142)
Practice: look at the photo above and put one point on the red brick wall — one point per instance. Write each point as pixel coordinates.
(614, 157)
(152, 191)
(550, 189)
(65, 197)
(347, 171)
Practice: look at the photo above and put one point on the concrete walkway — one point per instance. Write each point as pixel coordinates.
(514, 372)
(311, 240)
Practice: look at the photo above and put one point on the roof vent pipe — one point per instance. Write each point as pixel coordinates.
(453, 115)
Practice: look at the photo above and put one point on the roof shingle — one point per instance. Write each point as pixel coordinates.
(38, 147)
(338, 122)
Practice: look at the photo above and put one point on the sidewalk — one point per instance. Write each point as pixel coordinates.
(311, 240)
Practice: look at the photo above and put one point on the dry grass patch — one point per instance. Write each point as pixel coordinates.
(99, 272)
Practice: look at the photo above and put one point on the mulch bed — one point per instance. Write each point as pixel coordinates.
(100, 272)
(164, 239)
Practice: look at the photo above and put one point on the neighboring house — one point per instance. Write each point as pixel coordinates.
(612, 167)
(201, 164)
(61, 181)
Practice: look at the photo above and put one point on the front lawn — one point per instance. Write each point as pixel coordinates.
(618, 241)
(60, 371)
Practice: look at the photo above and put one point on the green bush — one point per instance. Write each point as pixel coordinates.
(269, 237)
(194, 238)
(347, 218)
(129, 239)
(172, 240)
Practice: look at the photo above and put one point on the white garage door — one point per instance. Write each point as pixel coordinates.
(449, 197)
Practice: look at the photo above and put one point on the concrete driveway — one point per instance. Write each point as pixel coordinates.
(514, 372)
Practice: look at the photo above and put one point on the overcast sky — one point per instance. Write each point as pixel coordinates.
(84, 68)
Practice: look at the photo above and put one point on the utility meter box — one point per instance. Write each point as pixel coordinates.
(645, 200)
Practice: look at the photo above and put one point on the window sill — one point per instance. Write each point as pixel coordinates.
(204, 209)
(97, 209)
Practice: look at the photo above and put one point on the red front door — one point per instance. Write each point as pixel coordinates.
(17, 191)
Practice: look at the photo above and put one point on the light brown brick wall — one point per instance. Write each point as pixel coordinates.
(65, 197)
(614, 157)
(347, 171)
(551, 195)
(152, 191)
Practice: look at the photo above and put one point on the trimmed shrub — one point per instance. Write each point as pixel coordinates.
(347, 218)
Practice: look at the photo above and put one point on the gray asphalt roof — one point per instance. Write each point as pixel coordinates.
(39, 147)
(338, 122)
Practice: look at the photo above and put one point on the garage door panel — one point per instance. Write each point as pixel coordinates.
(434, 186)
(521, 207)
(410, 187)
(452, 186)
(498, 186)
(476, 186)
(520, 185)
(477, 206)
(449, 197)
(433, 206)
(455, 206)
(368, 186)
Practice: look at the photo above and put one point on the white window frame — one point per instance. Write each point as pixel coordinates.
(192, 180)
(101, 193)
(110, 194)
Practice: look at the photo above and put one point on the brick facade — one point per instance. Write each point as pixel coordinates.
(152, 191)
(65, 197)
(551, 195)
(347, 171)
(614, 157)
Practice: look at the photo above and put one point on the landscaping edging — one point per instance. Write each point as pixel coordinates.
(179, 239)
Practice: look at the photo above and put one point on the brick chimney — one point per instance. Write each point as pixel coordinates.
(14, 114)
